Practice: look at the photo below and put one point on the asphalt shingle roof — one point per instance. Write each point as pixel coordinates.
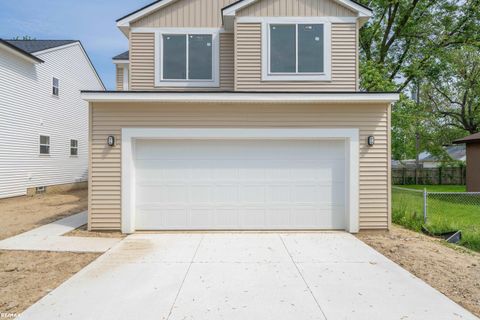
(32, 46)
(122, 56)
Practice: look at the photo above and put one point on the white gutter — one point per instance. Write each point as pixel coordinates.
(232, 97)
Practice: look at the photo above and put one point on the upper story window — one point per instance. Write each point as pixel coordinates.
(296, 51)
(187, 59)
(55, 87)
(44, 145)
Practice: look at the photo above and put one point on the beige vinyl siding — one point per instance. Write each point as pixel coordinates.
(248, 64)
(227, 59)
(142, 62)
(186, 13)
(109, 118)
(119, 77)
(298, 8)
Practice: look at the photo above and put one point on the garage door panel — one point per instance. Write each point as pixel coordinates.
(239, 184)
(225, 218)
(225, 193)
(280, 193)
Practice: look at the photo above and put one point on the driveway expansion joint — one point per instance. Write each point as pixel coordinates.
(303, 278)
(185, 277)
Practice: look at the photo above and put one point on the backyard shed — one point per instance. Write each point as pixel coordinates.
(473, 161)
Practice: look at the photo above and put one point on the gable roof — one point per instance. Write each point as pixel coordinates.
(229, 12)
(351, 4)
(124, 22)
(19, 52)
(32, 46)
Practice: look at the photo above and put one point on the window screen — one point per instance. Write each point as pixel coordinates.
(44, 145)
(200, 57)
(174, 57)
(73, 147)
(282, 48)
(310, 48)
(55, 87)
(297, 48)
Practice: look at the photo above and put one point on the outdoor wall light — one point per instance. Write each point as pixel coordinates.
(371, 141)
(111, 141)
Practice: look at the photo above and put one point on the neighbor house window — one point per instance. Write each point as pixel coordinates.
(187, 59)
(44, 145)
(55, 87)
(296, 51)
(74, 147)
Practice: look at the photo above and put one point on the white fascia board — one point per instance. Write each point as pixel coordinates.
(120, 61)
(225, 97)
(361, 11)
(125, 22)
(231, 11)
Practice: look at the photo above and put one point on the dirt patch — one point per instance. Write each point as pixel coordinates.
(21, 214)
(27, 276)
(83, 232)
(454, 271)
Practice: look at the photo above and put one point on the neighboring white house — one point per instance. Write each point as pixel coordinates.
(43, 120)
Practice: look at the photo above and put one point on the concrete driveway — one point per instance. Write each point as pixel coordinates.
(244, 276)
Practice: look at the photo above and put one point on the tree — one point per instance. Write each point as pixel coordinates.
(404, 37)
(401, 45)
(24, 38)
(453, 89)
(409, 123)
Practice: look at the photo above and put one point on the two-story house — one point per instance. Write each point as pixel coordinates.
(43, 119)
(238, 115)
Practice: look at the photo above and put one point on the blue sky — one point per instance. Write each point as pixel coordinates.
(91, 22)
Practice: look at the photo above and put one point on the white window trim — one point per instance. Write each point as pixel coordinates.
(125, 77)
(349, 135)
(215, 82)
(327, 63)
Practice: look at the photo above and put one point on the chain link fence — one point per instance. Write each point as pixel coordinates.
(425, 204)
(408, 207)
(439, 212)
(452, 203)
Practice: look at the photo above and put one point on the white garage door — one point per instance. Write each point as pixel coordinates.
(239, 184)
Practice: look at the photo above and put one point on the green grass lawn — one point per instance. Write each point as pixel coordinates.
(445, 212)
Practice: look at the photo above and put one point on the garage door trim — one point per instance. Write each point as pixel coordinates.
(349, 135)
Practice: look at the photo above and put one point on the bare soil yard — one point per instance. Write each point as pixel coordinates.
(26, 276)
(21, 214)
(454, 271)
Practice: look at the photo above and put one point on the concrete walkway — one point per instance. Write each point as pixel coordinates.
(49, 238)
(277, 276)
